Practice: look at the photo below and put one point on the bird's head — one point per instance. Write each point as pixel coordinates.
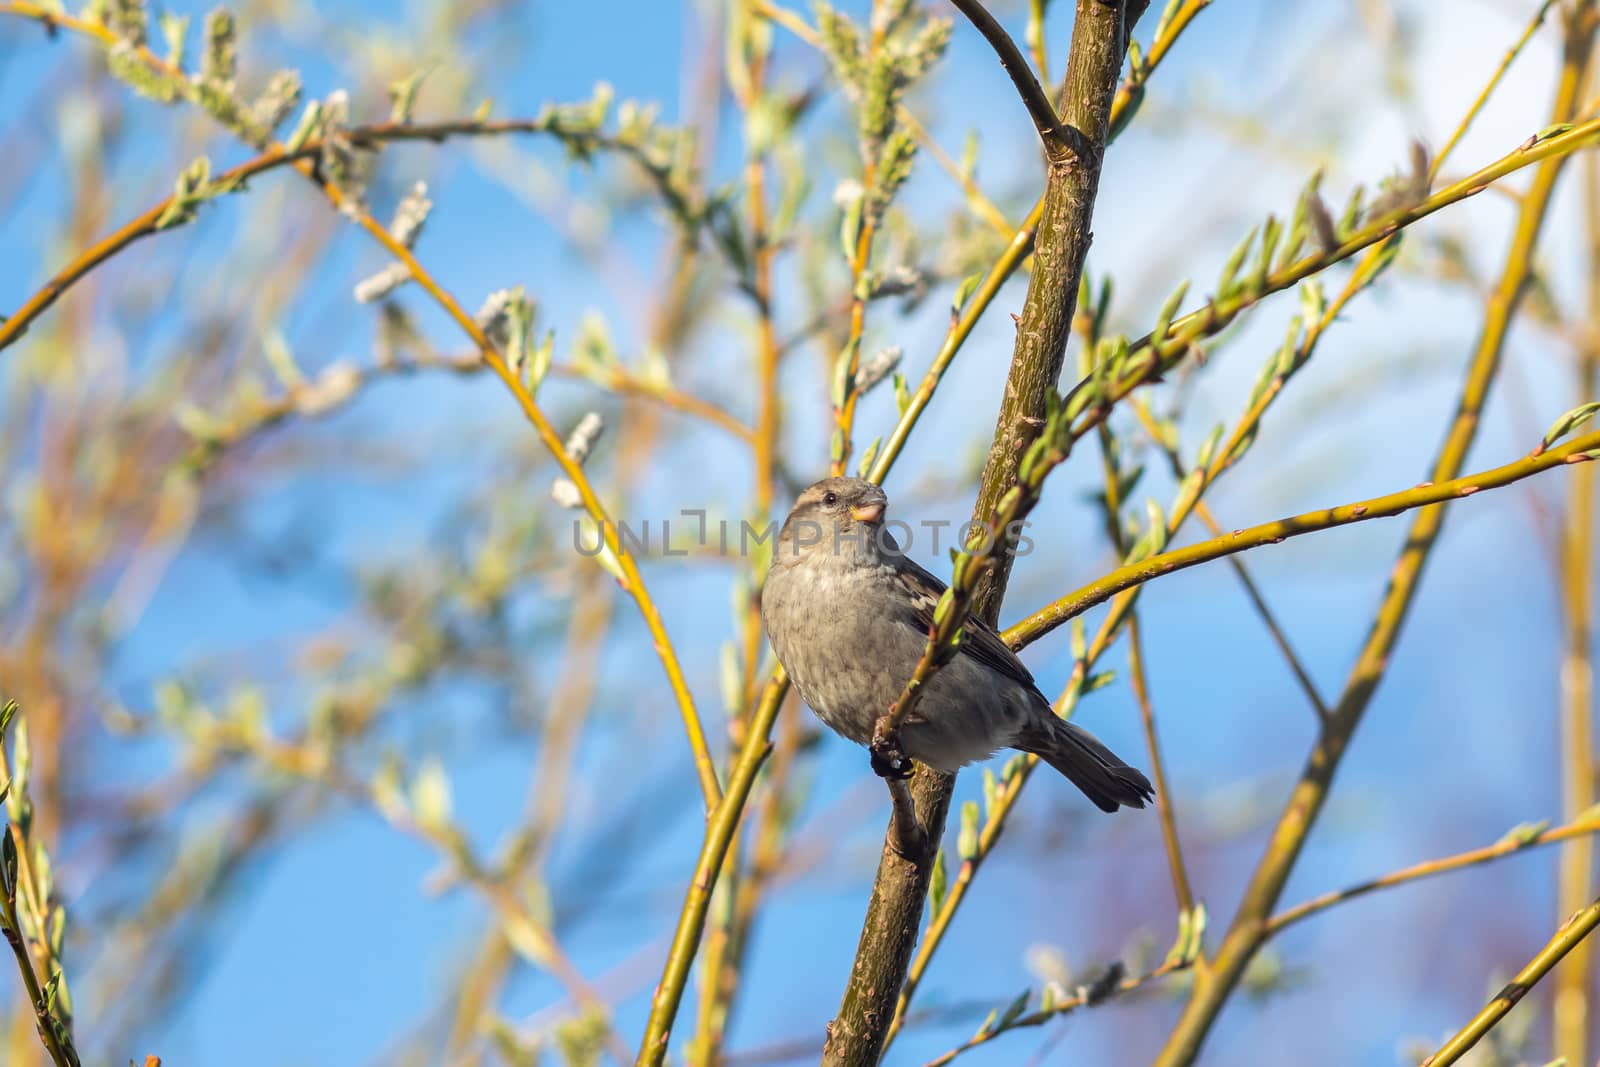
(842, 502)
(836, 518)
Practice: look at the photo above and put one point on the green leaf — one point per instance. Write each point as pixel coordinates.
(281, 359)
(403, 94)
(938, 884)
(173, 29)
(844, 373)
(1157, 525)
(1524, 834)
(539, 360)
(1102, 307)
(1569, 422)
(850, 228)
(1352, 213)
(1188, 491)
(44, 874)
(1269, 244)
(1168, 310)
(1014, 1010)
(387, 796)
(1313, 303)
(1048, 998)
(56, 929)
(967, 839)
(430, 795)
(308, 128)
(8, 864)
(1230, 269)
(1191, 925)
(1208, 448)
(21, 757)
(964, 291)
(1098, 680)
(869, 456)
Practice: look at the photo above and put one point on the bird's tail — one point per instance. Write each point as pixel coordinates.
(1086, 763)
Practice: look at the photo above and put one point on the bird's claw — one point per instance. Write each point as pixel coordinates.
(889, 760)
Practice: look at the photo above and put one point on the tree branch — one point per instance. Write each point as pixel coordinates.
(1059, 139)
(1568, 937)
(1570, 1010)
(1578, 450)
(1246, 933)
(857, 1036)
(963, 320)
(1511, 843)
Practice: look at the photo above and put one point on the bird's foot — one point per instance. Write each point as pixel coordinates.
(889, 760)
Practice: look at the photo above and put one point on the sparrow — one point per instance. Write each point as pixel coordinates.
(849, 614)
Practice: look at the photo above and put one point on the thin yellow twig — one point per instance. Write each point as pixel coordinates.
(1569, 936)
(1050, 616)
(1509, 845)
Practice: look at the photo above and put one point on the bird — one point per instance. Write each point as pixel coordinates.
(848, 614)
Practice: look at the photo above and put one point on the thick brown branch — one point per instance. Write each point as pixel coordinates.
(856, 1037)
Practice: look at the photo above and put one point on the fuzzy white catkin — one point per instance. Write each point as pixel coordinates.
(579, 443)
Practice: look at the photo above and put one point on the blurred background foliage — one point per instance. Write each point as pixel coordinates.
(333, 749)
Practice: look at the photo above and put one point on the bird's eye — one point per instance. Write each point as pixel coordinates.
(829, 499)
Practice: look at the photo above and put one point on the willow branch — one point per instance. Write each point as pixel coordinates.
(55, 1041)
(1060, 140)
(1181, 886)
(1138, 678)
(1578, 450)
(1203, 510)
(720, 829)
(1510, 844)
(631, 578)
(964, 320)
(1244, 935)
(1568, 937)
(728, 935)
(857, 1035)
(1492, 84)
(1081, 999)
(633, 581)
(135, 229)
(1570, 1009)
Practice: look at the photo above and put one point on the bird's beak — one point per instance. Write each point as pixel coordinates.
(871, 513)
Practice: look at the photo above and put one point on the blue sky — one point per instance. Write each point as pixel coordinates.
(335, 948)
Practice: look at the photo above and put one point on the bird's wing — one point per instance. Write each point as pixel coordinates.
(978, 640)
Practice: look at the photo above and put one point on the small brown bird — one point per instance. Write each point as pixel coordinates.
(848, 614)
